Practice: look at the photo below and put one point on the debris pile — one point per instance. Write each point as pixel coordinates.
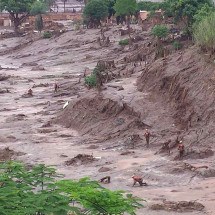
(8, 154)
(80, 159)
(181, 206)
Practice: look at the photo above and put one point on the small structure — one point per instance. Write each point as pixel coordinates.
(5, 20)
(143, 15)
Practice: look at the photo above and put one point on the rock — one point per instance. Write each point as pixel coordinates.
(120, 88)
(38, 68)
(30, 64)
(4, 77)
(104, 169)
(127, 153)
(92, 147)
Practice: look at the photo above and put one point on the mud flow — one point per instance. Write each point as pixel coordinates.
(94, 132)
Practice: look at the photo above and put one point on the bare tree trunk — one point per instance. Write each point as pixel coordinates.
(129, 31)
(64, 6)
(17, 20)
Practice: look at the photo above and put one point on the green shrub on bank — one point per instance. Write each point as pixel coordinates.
(204, 33)
(47, 35)
(160, 31)
(90, 80)
(124, 42)
(177, 45)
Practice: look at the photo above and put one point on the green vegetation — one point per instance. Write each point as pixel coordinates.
(148, 5)
(37, 10)
(204, 33)
(90, 80)
(185, 10)
(205, 11)
(47, 35)
(177, 45)
(19, 10)
(160, 31)
(95, 11)
(36, 190)
(126, 8)
(124, 42)
(110, 4)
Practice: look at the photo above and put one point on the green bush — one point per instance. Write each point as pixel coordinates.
(177, 45)
(90, 80)
(160, 31)
(47, 34)
(204, 33)
(124, 42)
(38, 190)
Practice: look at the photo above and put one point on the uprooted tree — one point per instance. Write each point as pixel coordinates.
(18, 10)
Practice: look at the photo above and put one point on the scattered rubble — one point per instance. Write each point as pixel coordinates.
(181, 206)
(9, 154)
(80, 159)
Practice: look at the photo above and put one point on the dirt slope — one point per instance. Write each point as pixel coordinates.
(187, 83)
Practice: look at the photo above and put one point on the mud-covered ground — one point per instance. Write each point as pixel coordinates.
(109, 126)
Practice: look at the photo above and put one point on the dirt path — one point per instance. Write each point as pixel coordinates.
(22, 122)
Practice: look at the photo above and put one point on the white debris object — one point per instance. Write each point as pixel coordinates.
(65, 105)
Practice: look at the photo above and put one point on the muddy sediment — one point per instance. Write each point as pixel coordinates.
(174, 99)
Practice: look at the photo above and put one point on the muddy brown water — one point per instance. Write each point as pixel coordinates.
(23, 119)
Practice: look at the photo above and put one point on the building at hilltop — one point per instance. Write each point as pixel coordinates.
(68, 6)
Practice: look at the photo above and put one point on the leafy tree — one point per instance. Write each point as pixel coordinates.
(126, 8)
(95, 11)
(186, 9)
(110, 4)
(37, 10)
(205, 11)
(19, 10)
(32, 191)
(98, 200)
(36, 191)
(148, 5)
(160, 32)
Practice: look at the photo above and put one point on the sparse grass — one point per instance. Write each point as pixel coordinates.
(204, 33)
(124, 42)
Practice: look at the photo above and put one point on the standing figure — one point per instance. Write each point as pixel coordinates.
(181, 149)
(147, 136)
(56, 87)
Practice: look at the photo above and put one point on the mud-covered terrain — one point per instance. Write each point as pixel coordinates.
(102, 133)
